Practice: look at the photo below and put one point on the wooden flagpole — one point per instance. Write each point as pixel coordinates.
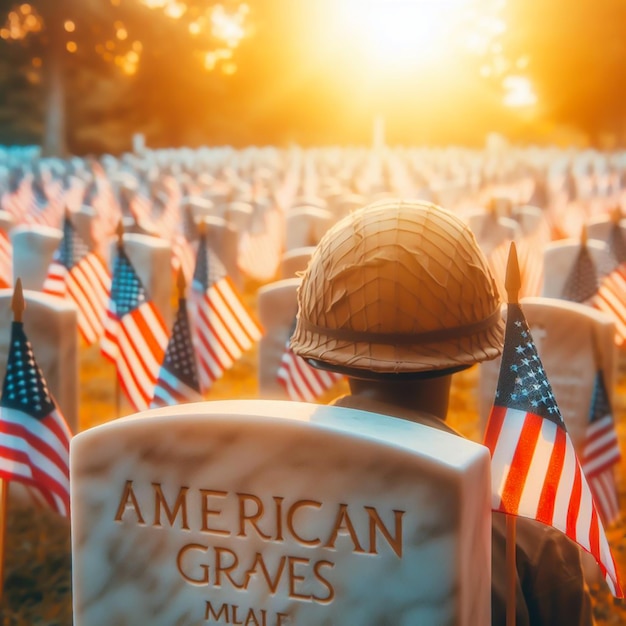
(18, 306)
(512, 284)
(118, 395)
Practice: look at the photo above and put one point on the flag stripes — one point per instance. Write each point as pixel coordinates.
(536, 462)
(171, 390)
(6, 260)
(223, 329)
(301, 381)
(88, 285)
(136, 343)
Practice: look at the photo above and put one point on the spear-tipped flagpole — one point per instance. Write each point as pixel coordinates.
(17, 306)
(512, 284)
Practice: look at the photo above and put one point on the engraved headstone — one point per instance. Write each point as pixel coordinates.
(564, 334)
(275, 513)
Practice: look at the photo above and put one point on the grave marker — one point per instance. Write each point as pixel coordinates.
(278, 513)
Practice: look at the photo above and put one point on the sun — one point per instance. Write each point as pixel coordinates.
(403, 32)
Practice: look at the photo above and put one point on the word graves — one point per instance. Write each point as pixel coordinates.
(270, 513)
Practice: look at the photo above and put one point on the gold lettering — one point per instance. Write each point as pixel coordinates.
(279, 517)
(252, 518)
(249, 617)
(331, 591)
(209, 612)
(207, 512)
(234, 608)
(204, 580)
(294, 578)
(343, 522)
(259, 561)
(128, 495)
(290, 518)
(160, 501)
(225, 569)
(376, 522)
(280, 617)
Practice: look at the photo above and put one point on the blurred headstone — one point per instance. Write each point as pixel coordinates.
(50, 324)
(33, 249)
(277, 307)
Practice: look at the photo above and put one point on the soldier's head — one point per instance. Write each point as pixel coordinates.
(398, 289)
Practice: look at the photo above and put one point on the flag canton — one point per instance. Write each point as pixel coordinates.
(617, 244)
(601, 406)
(180, 354)
(523, 382)
(582, 282)
(72, 248)
(24, 387)
(209, 269)
(127, 291)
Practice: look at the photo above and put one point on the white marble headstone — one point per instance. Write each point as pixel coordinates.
(558, 260)
(50, 325)
(562, 333)
(305, 226)
(295, 260)
(33, 248)
(277, 306)
(277, 513)
(152, 259)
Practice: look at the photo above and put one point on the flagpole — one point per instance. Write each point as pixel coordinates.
(18, 306)
(512, 284)
(118, 400)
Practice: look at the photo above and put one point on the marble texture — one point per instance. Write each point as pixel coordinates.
(265, 513)
(562, 332)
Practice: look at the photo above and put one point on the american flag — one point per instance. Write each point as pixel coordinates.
(534, 468)
(82, 277)
(301, 381)
(34, 437)
(6, 260)
(223, 327)
(135, 335)
(601, 452)
(606, 293)
(178, 380)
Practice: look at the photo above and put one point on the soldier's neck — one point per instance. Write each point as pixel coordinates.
(429, 395)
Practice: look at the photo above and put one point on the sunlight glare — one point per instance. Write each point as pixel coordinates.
(518, 92)
(401, 31)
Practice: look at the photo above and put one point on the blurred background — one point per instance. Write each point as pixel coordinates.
(82, 76)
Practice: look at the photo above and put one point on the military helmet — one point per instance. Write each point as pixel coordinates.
(398, 287)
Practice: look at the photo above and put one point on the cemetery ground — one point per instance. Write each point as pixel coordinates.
(37, 564)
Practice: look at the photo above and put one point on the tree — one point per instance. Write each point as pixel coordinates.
(69, 42)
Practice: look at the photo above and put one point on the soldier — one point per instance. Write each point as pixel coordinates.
(399, 297)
